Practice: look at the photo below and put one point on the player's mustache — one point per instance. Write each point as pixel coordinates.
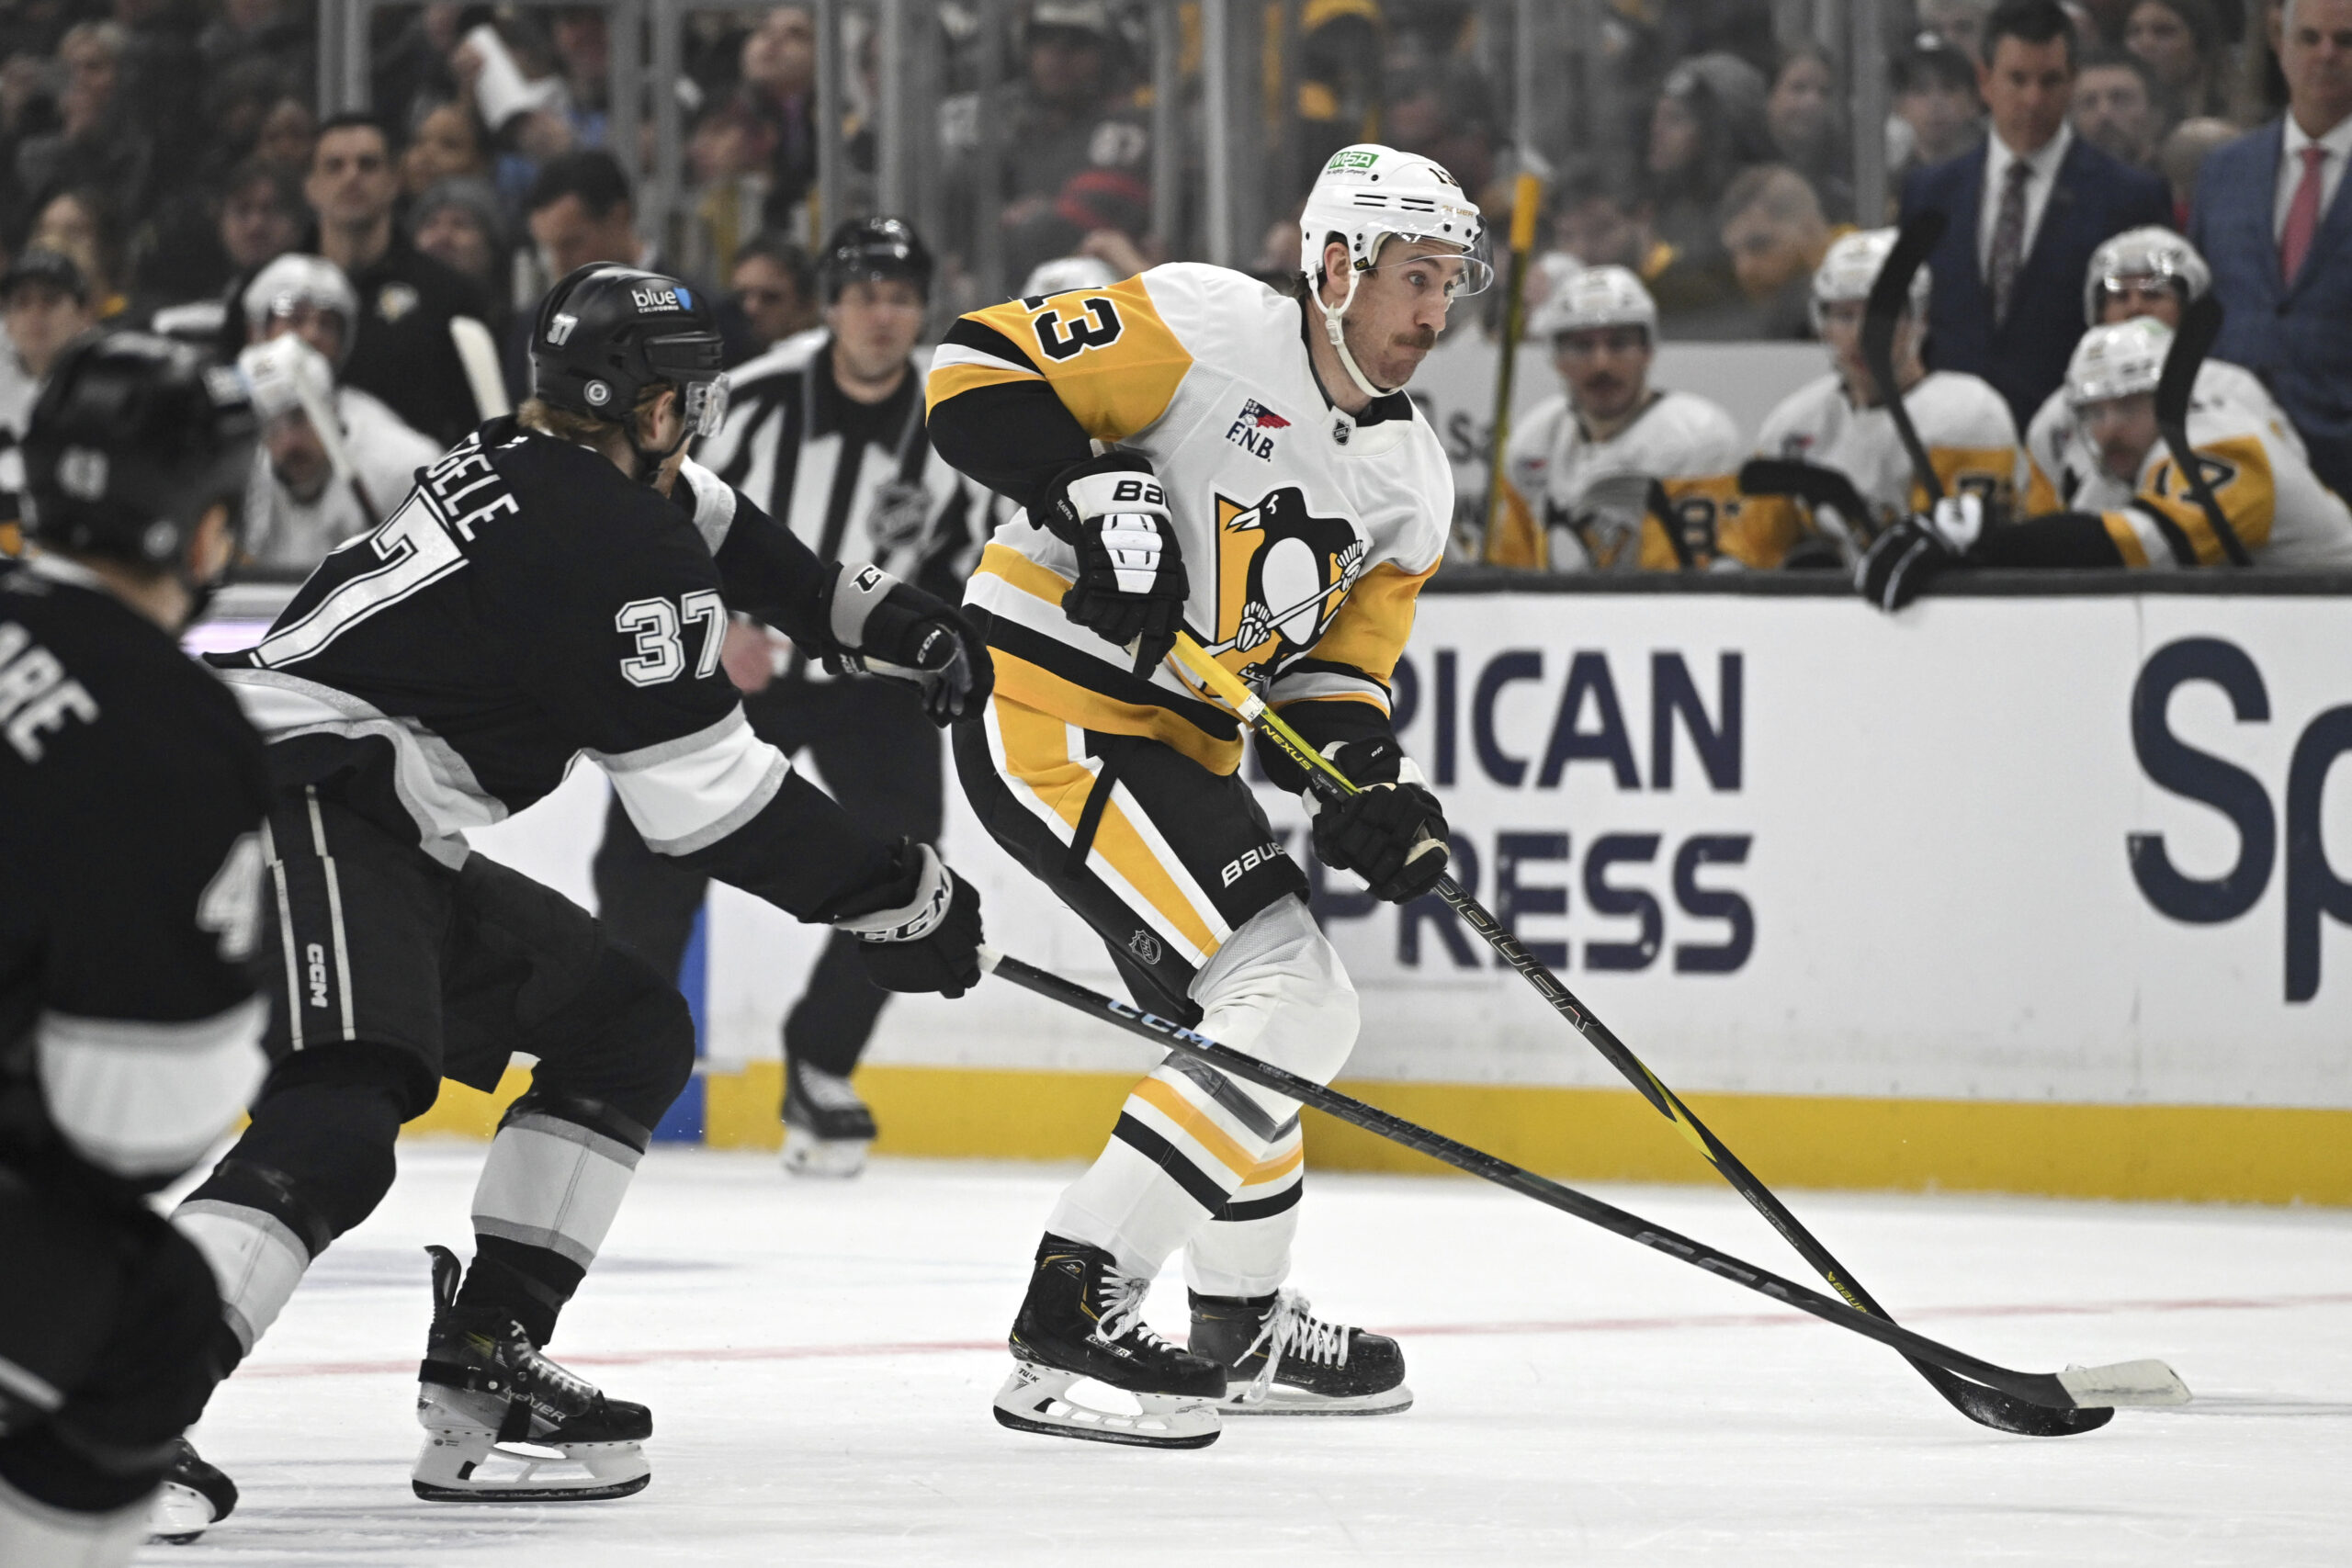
(1421, 339)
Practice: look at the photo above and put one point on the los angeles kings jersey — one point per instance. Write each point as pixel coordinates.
(2064, 472)
(1307, 533)
(1572, 503)
(2264, 490)
(527, 605)
(131, 796)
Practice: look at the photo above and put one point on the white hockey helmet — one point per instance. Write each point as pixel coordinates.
(2152, 251)
(294, 280)
(1853, 265)
(1368, 194)
(2118, 360)
(1596, 297)
(1064, 274)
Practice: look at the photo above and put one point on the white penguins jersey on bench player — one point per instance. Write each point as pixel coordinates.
(1307, 533)
(2064, 474)
(2265, 491)
(1582, 504)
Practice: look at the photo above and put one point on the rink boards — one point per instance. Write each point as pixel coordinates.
(2040, 894)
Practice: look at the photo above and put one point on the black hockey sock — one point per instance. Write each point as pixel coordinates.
(511, 1281)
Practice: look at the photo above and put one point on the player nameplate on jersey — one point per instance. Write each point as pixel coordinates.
(1283, 573)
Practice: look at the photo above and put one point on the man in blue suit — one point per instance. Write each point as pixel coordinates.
(2271, 217)
(2023, 211)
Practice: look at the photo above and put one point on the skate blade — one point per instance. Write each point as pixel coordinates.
(1282, 1401)
(1037, 1399)
(178, 1515)
(467, 1467)
(833, 1158)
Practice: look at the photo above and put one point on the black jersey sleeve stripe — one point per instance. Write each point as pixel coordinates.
(985, 339)
(1013, 437)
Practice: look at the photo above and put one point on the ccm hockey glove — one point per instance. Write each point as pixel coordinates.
(883, 627)
(1131, 585)
(925, 934)
(1918, 550)
(1392, 831)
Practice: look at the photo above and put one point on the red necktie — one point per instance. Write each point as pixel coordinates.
(2302, 217)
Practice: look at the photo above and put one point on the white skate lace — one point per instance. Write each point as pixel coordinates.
(1291, 1328)
(1122, 1299)
(827, 1092)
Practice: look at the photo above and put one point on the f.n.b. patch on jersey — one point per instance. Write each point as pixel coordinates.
(1252, 428)
(1282, 574)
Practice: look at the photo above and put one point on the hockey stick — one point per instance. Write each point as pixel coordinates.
(1978, 1405)
(1527, 200)
(1890, 296)
(1815, 484)
(2084, 1391)
(2199, 325)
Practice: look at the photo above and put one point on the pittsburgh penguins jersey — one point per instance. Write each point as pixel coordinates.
(2063, 468)
(854, 481)
(1971, 437)
(2266, 493)
(525, 605)
(1572, 504)
(131, 796)
(1307, 533)
(282, 530)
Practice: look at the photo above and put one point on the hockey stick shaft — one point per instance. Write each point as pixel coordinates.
(1329, 783)
(1890, 298)
(2174, 387)
(2134, 1383)
(1527, 200)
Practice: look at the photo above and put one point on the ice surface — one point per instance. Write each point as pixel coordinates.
(819, 1360)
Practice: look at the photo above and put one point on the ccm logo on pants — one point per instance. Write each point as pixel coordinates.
(315, 957)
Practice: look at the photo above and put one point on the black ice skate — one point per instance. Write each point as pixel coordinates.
(504, 1424)
(1083, 1318)
(1296, 1363)
(194, 1497)
(826, 1126)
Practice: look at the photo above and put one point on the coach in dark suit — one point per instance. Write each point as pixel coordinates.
(2274, 223)
(2023, 211)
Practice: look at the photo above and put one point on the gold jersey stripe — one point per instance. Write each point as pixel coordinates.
(1115, 375)
(1279, 1165)
(1002, 560)
(1374, 620)
(1196, 1125)
(2127, 538)
(1066, 702)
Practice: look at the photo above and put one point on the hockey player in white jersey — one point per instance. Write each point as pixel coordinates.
(1840, 422)
(2269, 508)
(334, 460)
(2142, 272)
(1195, 449)
(1613, 475)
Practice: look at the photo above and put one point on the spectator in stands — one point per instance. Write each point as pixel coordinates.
(2118, 106)
(301, 502)
(1937, 106)
(288, 133)
(1807, 131)
(261, 216)
(774, 288)
(1707, 125)
(98, 142)
(730, 168)
(2023, 214)
(1844, 476)
(86, 226)
(1075, 153)
(272, 33)
(1776, 235)
(1596, 220)
(2183, 154)
(1959, 25)
(1613, 475)
(2181, 41)
(401, 350)
(779, 71)
(1447, 114)
(2142, 272)
(46, 305)
(2272, 218)
(457, 224)
(450, 144)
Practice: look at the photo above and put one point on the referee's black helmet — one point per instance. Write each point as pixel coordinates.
(606, 334)
(869, 248)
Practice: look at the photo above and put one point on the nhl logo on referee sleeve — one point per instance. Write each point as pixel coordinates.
(1145, 946)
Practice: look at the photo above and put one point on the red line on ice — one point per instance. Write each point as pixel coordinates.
(1562, 1325)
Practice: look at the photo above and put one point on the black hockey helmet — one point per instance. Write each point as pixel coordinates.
(132, 440)
(606, 334)
(872, 248)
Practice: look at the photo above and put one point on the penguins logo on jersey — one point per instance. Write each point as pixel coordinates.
(1283, 573)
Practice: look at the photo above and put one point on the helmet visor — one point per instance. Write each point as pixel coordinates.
(705, 407)
(1458, 272)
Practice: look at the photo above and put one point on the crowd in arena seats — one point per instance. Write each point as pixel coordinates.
(157, 155)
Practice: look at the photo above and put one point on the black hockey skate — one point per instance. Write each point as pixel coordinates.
(1296, 1363)
(504, 1424)
(826, 1126)
(194, 1497)
(1083, 1318)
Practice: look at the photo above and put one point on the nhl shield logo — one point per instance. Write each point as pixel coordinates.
(1145, 947)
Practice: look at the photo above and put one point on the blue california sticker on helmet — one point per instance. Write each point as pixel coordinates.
(685, 299)
(671, 298)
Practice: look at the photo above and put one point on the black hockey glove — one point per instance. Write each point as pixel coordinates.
(923, 931)
(1131, 587)
(883, 627)
(1392, 831)
(1918, 550)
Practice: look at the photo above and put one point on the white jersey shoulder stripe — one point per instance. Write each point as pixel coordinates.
(687, 794)
(142, 1099)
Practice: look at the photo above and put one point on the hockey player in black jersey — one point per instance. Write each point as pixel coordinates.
(131, 795)
(557, 585)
